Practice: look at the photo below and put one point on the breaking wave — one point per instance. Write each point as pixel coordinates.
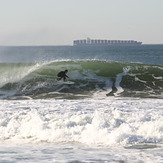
(90, 77)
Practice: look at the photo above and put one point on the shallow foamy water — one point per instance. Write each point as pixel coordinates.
(89, 130)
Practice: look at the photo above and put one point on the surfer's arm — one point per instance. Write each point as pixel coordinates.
(67, 76)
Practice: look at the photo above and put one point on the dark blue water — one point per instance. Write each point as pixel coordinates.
(148, 54)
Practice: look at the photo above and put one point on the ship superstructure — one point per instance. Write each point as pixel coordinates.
(90, 42)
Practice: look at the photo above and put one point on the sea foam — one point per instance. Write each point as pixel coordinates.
(111, 122)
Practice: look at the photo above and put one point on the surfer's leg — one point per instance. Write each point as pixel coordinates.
(59, 78)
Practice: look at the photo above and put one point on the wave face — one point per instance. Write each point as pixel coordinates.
(90, 77)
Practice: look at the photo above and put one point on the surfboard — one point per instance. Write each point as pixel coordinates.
(68, 82)
(65, 82)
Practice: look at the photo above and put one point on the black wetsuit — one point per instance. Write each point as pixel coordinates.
(62, 75)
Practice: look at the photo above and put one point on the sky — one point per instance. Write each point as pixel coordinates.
(59, 22)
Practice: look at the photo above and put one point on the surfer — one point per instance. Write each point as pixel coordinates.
(62, 75)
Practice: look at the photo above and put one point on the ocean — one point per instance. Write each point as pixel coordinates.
(111, 112)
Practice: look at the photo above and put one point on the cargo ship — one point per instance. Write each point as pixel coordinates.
(99, 42)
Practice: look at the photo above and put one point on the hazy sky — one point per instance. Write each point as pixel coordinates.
(59, 22)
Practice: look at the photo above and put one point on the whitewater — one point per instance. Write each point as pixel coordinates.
(112, 113)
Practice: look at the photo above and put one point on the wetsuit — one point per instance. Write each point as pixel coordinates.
(62, 75)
